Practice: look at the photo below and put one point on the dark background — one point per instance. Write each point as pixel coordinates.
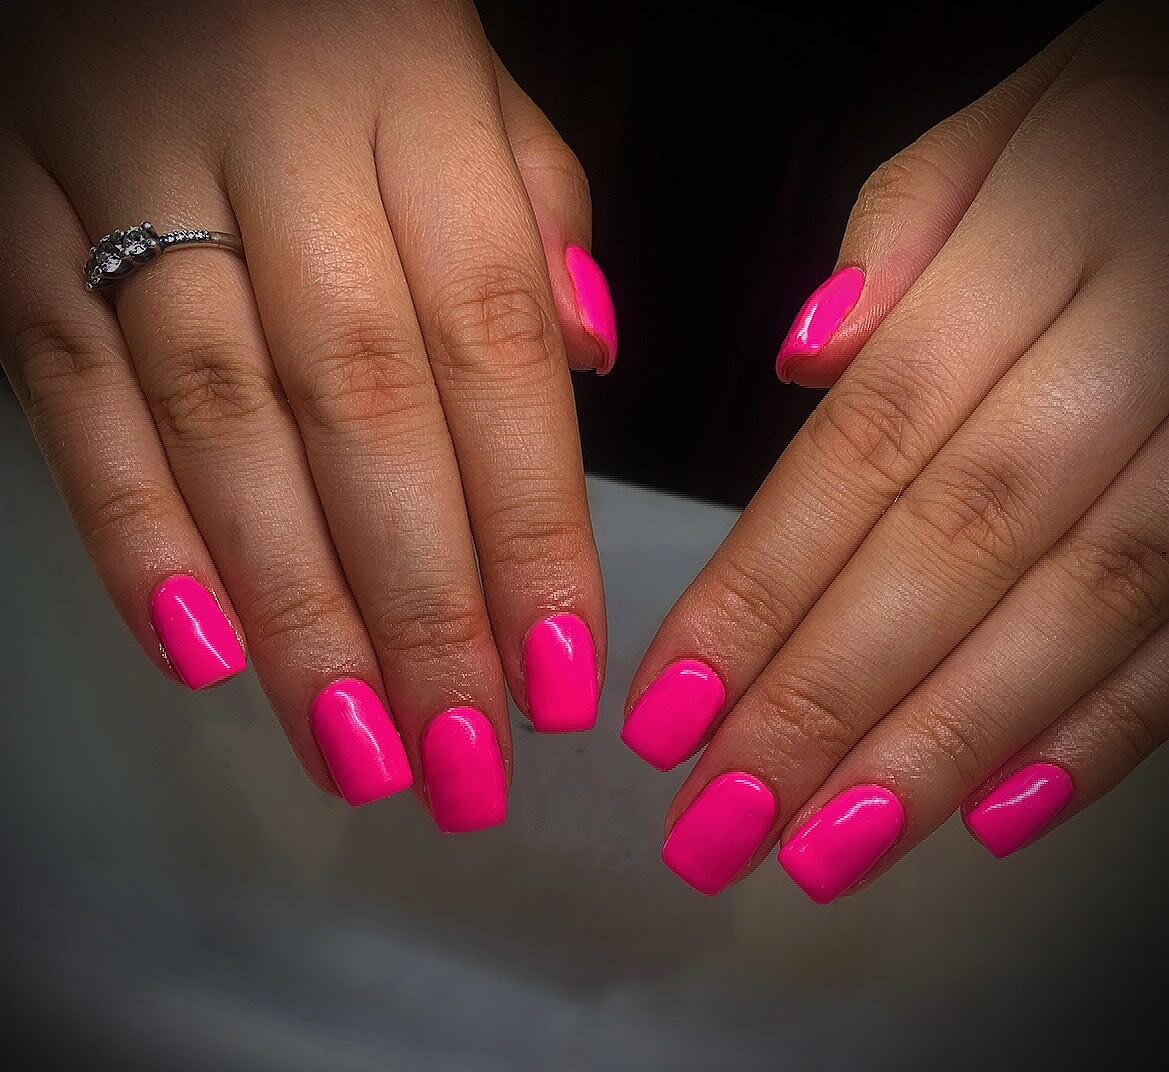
(725, 145)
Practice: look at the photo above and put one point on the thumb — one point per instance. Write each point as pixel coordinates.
(906, 211)
(559, 193)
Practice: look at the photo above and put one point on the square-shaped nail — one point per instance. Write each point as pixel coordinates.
(1016, 812)
(465, 779)
(843, 841)
(560, 668)
(360, 743)
(669, 722)
(715, 838)
(195, 633)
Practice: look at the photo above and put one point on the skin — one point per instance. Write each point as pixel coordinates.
(363, 440)
(960, 566)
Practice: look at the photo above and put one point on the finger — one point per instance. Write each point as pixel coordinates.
(345, 342)
(987, 507)
(476, 270)
(1075, 618)
(1080, 758)
(905, 213)
(559, 194)
(68, 364)
(202, 361)
(925, 370)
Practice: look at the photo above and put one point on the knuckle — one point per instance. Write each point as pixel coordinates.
(920, 177)
(545, 153)
(870, 428)
(362, 369)
(557, 546)
(292, 607)
(202, 388)
(751, 593)
(112, 514)
(491, 319)
(1136, 727)
(812, 712)
(973, 509)
(1124, 571)
(55, 358)
(956, 740)
(440, 625)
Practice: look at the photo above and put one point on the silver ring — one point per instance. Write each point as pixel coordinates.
(121, 253)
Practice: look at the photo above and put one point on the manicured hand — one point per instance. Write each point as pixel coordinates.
(354, 454)
(952, 591)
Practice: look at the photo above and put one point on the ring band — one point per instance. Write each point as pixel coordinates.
(121, 253)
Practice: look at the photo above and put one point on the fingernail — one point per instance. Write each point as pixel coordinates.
(196, 635)
(464, 771)
(715, 838)
(593, 302)
(1018, 811)
(670, 720)
(839, 845)
(360, 744)
(560, 667)
(818, 320)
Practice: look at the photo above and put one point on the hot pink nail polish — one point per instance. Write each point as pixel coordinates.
(715, 838)
(560, 665)
(1018, 811)
(821, 315)
(670, 720)
(195, 633)
(839, 845)
(465, 779)
(594, 302)
(360, 744)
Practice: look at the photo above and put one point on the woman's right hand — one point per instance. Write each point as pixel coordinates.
(356, 453)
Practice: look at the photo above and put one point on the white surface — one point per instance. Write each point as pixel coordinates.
(178, 895)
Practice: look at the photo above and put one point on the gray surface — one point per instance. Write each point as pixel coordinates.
(178, 896)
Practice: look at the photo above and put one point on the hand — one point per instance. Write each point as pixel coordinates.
(356, 452)
(952, 590)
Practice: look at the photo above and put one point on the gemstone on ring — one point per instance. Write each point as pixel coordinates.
(117, 254)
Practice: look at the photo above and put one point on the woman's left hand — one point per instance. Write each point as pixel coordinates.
(953, 588)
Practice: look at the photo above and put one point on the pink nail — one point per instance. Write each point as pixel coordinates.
(821, 315)
(839, 845)
(464, 771)
(362, 748)
(670, 720)
(195, 633)
(560, 664)
(715, 838)
(594, 302)
(1018, 811)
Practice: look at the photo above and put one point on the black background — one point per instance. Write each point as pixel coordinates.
(725, 145)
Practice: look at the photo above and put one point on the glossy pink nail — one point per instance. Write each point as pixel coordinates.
(839, 845)
(670, 720)
(593, 302)
(1015, 813)
(821, 315)
(560, 666)
(360, 744)
(715, 838)
(465, 779)
(196, 635)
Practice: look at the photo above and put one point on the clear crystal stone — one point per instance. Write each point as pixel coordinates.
(135, 242)
(109, 259)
